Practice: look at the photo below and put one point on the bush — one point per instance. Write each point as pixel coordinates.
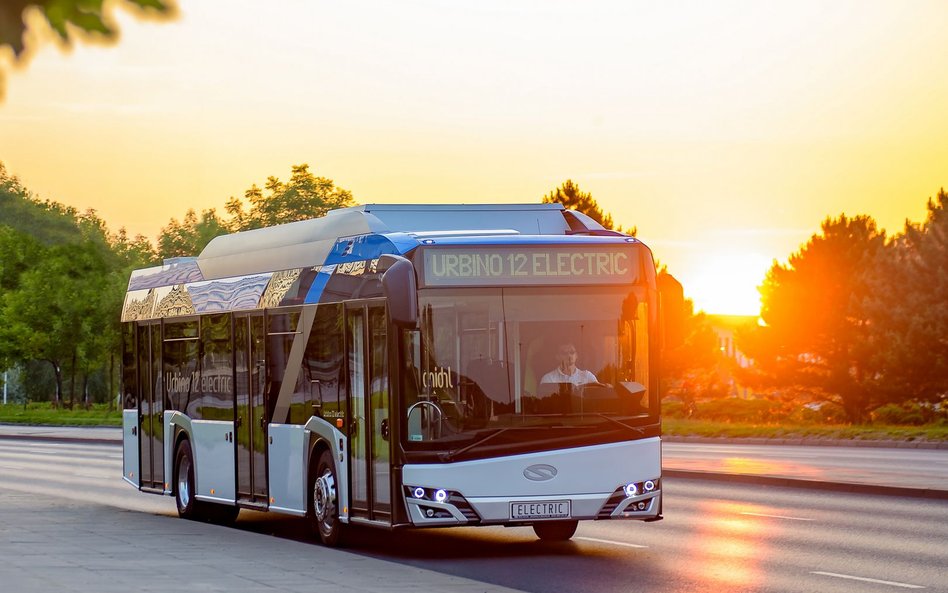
(909, 414)
(674, 409)
(735, 409)
(820, 413)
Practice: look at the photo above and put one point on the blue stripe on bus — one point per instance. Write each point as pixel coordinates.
(319, 284)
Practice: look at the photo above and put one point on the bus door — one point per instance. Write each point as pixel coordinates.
(369, 428)
(250, 409)
(151, 407)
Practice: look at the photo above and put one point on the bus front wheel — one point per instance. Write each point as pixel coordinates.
(557, 531)
(324, 499)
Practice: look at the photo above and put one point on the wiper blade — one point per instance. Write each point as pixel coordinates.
(636, 429)
(451, 455)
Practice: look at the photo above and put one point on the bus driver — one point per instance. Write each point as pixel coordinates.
(567, 371)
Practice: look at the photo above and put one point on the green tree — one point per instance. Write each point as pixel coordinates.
(304, 196)
(55, 315)
(572, 198)
(86, 16)
(191, 235)
(816, 338)
(908, 305)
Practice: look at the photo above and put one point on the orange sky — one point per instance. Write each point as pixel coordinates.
(725, 131)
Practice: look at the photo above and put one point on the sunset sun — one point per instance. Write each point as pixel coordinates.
(727, 283)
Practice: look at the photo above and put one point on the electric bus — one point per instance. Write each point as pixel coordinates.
(400, 366)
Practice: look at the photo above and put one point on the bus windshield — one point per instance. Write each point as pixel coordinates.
(488, 365)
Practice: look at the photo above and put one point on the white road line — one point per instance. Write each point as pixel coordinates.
(776, 516)
(867, 580)
(610, 542)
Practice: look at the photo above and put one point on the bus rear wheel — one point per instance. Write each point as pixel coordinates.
(555, 531)
(184, 482)
(324, 499)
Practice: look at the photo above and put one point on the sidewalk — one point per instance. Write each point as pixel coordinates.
(894, 470)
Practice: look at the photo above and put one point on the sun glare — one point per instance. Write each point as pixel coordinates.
(727, 283)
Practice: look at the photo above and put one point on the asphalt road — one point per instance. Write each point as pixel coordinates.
(715, 537)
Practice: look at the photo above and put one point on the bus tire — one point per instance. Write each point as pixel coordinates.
(221, 514)
(188, 506)
(555, 531)
(324, 499)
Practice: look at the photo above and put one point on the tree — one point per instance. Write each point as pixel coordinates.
(86, 16)
(572, 198)
(304, 196)
(816, 336)
(908, 305)
(191, 235)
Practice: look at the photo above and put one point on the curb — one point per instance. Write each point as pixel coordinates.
(852, 487)
(803, 442)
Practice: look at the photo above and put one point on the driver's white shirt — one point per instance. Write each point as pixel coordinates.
(577, 377)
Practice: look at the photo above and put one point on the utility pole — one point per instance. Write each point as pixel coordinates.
(4, 388)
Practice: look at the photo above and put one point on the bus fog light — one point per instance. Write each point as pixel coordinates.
(419, 492)
(649, 485)
(441, 496)
(429, 513)
(631, 489)
(641, 506)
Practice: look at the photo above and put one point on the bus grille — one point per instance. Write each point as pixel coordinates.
(606, 511)
(464, 506)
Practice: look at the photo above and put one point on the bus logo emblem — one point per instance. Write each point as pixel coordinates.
(540, 472)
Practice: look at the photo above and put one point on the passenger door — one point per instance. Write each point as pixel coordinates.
(250, 409)
(151, 407)
(369, 428)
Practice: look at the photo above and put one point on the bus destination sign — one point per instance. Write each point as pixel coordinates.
(529, 265)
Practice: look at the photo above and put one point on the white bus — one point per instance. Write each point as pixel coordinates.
(401, 366)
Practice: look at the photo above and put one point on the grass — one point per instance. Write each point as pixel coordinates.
(99, 415)
(873, 432)
(43, 413)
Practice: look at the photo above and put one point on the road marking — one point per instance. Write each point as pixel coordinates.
(775, 516)
(867, 580)
(606, 541)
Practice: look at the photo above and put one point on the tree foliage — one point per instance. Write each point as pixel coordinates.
(304, 196)
(817, 333)
(64, 18)
(572, 198)
(907, 304)
(61, 284)
(188, 237)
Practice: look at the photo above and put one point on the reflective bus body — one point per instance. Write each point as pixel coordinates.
(391, 366)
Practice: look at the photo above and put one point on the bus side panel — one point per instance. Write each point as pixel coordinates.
(215, 478)
(287, 460)
(130, 449)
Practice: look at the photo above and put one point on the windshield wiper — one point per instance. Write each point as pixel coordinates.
(451, 455)
(637, 429)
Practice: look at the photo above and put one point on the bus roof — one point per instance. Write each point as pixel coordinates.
(252, 269)
(309, 242)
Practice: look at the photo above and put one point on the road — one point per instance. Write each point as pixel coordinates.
(716, 536)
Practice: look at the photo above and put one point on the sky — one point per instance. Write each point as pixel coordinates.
(724, 131)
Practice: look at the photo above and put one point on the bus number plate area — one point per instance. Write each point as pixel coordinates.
(547, 509)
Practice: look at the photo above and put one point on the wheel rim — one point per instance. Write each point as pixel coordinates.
(184, 482)
(324, 500)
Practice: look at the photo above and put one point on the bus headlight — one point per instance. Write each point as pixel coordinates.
(649, 485)
(631, 489)
(441, 496)
(418, 492)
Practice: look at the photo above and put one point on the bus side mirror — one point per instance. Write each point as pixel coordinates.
(400, 288)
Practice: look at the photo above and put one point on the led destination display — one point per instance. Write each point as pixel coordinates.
(487, 266)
